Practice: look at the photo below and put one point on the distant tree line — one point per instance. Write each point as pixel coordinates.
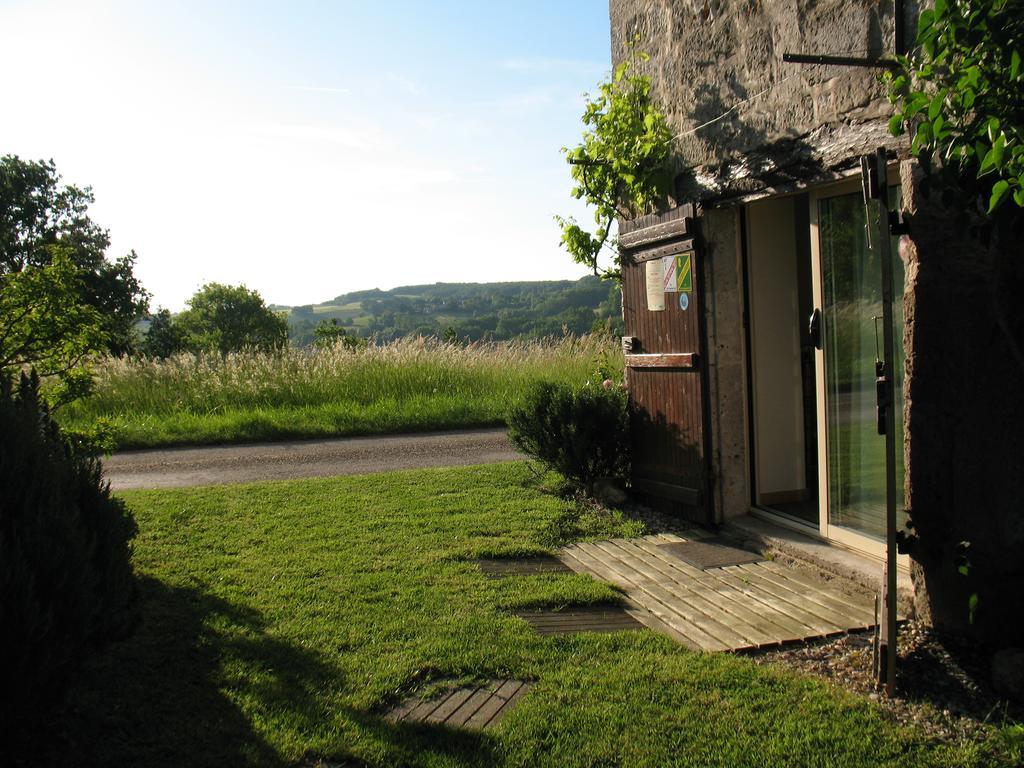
(467, 311)
(222, 319)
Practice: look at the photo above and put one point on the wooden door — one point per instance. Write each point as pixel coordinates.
(665, 371)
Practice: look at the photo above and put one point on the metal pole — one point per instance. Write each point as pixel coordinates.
(879, 62)
(899, 45)
(888, 648)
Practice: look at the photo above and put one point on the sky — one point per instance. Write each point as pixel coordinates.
(308, 149)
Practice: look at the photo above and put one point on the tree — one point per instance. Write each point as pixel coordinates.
(961, 94)
(44, 323)
(40, 217)
(329, 334)
(164, 337)
(230, 318)
(621, 168)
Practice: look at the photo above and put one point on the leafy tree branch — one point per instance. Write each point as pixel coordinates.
(43, 322)
(961, 96)
(61, 300)
(620, 168)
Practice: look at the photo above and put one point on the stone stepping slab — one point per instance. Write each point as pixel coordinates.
(475, 707)
(496, 568)
(599, 618)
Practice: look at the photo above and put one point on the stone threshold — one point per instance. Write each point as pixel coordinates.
(769, 538)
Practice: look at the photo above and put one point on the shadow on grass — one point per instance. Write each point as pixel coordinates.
(161, 698)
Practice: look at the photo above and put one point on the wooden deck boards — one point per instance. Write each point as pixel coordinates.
(482, 706)
(728, 608)
(600, 618)
(496, 568)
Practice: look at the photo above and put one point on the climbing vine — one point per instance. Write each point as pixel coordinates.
(960, 95)
(621, 166)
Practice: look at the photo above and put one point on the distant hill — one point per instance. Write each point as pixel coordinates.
(467, 311)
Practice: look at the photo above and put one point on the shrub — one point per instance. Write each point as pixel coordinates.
(582, 432)
(66, 582)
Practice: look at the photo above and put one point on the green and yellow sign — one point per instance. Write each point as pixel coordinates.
(684, 274)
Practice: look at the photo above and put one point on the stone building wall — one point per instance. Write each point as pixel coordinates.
(802, 121)
(726, 349)
(964, 416)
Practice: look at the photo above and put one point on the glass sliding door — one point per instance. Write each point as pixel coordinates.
(851, 296)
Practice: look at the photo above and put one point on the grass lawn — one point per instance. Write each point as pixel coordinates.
(282, 618)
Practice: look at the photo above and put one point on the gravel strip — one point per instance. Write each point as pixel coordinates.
(943, 685)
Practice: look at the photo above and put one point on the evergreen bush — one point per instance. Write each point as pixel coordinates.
(66, 581)
(580, 432)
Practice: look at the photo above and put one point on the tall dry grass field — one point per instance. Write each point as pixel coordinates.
(409, 385)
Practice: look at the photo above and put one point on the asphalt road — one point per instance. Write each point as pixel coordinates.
(180, 467)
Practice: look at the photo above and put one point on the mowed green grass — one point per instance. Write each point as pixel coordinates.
(408, 386)
(282, 620)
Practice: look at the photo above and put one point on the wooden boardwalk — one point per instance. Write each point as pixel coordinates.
(727, 608)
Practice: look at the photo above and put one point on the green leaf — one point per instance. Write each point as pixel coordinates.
(1018, 197)
(988, 163)
(999, 192)
(924, 133)
(925, 22)
(1014, 65)
(963, 570)
(992, 128)
(914, 103)
(896, 124)
(935, 107)
(998, 149)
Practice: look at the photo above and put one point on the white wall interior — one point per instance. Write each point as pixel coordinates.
(775, 351)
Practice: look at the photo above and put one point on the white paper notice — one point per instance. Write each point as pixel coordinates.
(669, 265)
(655, 273)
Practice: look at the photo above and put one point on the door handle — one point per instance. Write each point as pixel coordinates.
(814, 328)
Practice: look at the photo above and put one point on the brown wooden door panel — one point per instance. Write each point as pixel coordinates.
(665, 371)
(668, 429)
